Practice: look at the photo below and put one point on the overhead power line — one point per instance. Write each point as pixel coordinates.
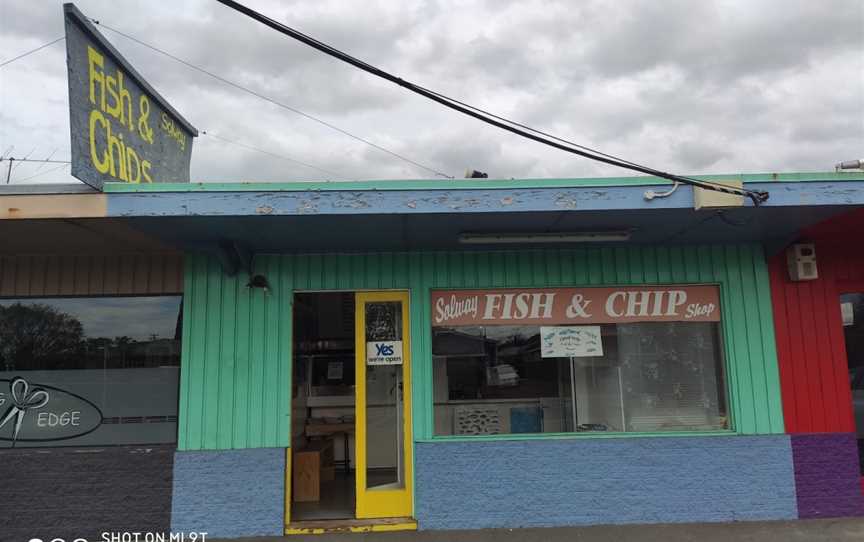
(36, 160)
(47, 171)
(15, 163)
(28, 53)
(13, 168)
(757, 197)
(275, 102)
(273, 154)
(47, 158)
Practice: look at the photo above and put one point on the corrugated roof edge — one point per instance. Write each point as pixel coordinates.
(45, 189)
(466, 184)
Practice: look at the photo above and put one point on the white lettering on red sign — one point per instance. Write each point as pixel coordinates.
(595, 305)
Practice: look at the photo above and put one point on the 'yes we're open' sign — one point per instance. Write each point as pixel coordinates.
(384, 353)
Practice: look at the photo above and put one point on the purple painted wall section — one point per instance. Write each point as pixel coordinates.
(827, 479)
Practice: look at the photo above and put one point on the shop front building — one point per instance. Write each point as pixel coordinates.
(820, 340)
(507, 411)
(90, 363)
(354, 360)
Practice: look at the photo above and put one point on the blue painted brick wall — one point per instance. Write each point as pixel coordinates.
(229, 493)
(602, 481)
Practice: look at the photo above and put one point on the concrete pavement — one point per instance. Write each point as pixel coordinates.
(821, 530)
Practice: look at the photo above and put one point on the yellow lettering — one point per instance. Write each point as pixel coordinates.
(111, 86)
(103, 165)
(144, 129)
(130, 155)
(94, 60)
(125, 103)
(145, 170)
(115, 143)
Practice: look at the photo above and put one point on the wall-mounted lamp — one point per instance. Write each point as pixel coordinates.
(527, 238)
(259, 281)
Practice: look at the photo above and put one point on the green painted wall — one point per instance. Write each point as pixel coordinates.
(236, 373)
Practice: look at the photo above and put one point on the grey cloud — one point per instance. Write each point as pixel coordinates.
(721, 44)
(698, 155)
(693, 87)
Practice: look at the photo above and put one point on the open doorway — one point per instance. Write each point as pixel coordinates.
(323, 407)
(852, 310)
(351, 410)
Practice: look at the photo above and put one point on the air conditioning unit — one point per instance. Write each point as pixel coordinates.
(801, 262)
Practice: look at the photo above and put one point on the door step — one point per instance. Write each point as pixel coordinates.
(328, 526)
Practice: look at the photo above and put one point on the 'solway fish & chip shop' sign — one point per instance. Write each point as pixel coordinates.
(556, 306)
(122, 129)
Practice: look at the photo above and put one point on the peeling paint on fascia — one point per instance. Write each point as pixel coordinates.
(599, 194)
(565, 200)
(307, 207)
(351, 200)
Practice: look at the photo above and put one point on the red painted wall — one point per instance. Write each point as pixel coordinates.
(810, 347)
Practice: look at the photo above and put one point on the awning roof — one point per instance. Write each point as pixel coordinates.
(410, 215)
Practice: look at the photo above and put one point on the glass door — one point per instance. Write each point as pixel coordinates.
(383, 408)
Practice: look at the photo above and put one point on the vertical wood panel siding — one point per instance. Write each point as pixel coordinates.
(810, 345)
(123, 274)
(236, 372)
(848, 264)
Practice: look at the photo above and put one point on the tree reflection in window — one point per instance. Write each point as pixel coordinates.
(38, 336)
(120, 354)
(85, 333)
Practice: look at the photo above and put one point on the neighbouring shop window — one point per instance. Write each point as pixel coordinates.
(84, 371)
(577, 360)
(852, 313)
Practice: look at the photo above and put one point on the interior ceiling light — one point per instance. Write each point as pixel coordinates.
(527, 238)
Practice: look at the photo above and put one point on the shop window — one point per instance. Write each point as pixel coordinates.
(89, 371)
(613, 365)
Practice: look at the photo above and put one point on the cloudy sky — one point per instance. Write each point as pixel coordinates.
(690, 87)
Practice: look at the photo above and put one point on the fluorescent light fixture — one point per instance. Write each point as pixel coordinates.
(527, 238)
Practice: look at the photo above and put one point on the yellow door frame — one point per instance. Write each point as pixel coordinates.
(382, 503)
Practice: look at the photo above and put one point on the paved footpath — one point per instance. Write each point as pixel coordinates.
(820, 530)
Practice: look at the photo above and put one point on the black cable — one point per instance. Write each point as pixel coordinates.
(28, 53)
(274, 102)
(756, 196)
